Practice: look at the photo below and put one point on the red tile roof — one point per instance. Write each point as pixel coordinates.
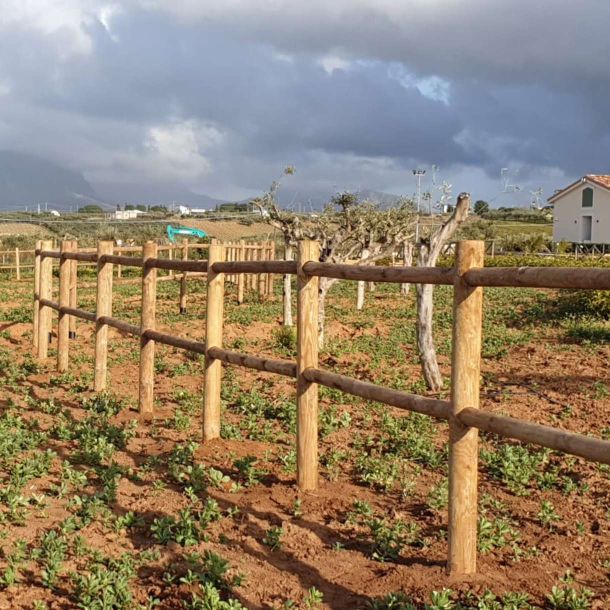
(602, 180)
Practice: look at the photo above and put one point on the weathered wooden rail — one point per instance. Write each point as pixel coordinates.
(461, 412)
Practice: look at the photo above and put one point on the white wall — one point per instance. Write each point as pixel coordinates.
(568, 213)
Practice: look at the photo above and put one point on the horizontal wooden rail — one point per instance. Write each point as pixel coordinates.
(178, 265)
(173, 341)
(79, 313)
(280, 367)
(71, 311)
(371, 391)
(366, 273)
(50, 254)
(127, 261)
(281, 267)
(561, 440)
(83, 257)
(131, 329)
(540, 277)
(12, 252)
(49, 303)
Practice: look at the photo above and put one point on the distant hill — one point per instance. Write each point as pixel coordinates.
(26, 180)
(155, 194)
(316, 200)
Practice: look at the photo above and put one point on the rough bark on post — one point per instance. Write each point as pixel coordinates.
(307, 357)
(270, 276)
(103, 308)
(428, 257)
(45, 292)
(183, 280)
(262, 283)
(287, 287)
(147, 322)
(241, 277)
(463, 441)
(213, 333)
(248, 277)
(63, 325)
(73, 288)
(36, 295)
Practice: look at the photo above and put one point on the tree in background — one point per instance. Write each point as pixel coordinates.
(481, 207)
(90, 209)
(347, 229)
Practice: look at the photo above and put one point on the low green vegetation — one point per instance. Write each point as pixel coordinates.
(100, 510)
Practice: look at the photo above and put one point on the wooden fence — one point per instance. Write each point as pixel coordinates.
(261, 283)
(462, 412)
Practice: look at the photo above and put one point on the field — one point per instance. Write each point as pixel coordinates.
(88, 233)
(101, 511)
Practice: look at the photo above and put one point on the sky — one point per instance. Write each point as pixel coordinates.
(219, 96)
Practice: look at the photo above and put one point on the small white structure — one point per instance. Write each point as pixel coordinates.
(582, 211)
(127, 214)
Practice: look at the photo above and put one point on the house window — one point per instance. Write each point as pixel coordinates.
(587, 198)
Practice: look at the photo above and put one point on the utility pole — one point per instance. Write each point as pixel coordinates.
(419, 173)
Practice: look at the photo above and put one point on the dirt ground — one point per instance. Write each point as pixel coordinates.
(328, 545)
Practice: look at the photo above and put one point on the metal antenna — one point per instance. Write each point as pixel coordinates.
(419, 173)
(507, 187)
(536, 202)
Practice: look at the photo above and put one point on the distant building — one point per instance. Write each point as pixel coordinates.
(127, 214)
(582, 211)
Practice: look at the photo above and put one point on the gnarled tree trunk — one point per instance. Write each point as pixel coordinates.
(287, 286)
(428, 257)
(325, 284)
(361, 284)
(407, 258)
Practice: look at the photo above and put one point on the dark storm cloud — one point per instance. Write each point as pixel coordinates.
(230, 96)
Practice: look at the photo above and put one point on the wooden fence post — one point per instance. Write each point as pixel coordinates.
(213, 333)
(463, 441)
(17, 264)
(262, 278)
(307, 357)
(170, 256)
(73, 287)
(63, 326)
(36, 295)
(147, 346)
(271, 276)
(241, 277)
(45, 286)
(103, 307)
(183, 280)
(249, 276)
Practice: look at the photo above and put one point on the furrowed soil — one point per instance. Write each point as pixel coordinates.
(102, 509)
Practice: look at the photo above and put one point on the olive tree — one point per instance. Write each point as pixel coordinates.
(347, 229)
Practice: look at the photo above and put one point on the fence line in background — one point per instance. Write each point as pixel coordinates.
(462, 411)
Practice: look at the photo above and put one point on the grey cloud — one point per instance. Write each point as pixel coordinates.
(527, 87)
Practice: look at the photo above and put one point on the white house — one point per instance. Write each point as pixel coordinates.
(582, 211)
(127, 214)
